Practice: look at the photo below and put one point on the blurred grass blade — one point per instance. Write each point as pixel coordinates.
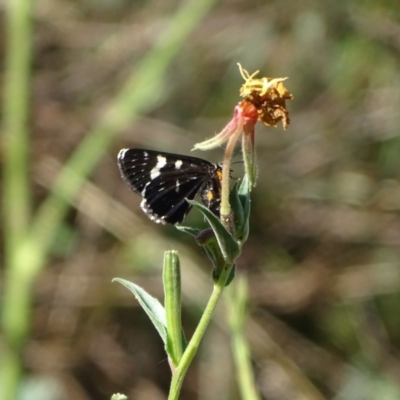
(16, 186)
(27, 249)
(237, 305)
(138, 95)
(16, 204)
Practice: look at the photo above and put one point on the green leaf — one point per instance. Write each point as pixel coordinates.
(216, 274)
(150, 305)
(245, 187)
(188, 229)
(208, 241)
(236, 203)
(243, 193)
(229, 247)
(239, 221)
(172, 290)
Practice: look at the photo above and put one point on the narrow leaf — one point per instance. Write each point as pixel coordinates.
(188, 229)
(153, 308)
(172, 302)
(216, 275)
(208, 241)
(244, 197)
(239, 220)
(229, 248)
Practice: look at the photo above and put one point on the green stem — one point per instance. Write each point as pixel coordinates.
(193, 345)
(249, 158)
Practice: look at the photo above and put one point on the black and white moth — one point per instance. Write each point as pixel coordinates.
(166, 180)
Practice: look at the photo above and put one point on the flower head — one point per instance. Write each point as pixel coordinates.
(268, 96)
(263, 100)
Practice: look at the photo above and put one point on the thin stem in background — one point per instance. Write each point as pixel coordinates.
(16, 186)
(260, 339)
(236, 303)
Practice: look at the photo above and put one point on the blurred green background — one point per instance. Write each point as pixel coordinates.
(323, 255)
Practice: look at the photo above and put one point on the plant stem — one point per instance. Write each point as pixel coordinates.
(249, 158)
(193, 345)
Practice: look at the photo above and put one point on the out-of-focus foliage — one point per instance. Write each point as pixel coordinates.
(323, 255)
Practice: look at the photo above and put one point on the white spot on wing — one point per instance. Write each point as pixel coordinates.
(161, 162)
(178, 164)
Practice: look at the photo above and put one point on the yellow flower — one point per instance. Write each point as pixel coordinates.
(268, 96)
